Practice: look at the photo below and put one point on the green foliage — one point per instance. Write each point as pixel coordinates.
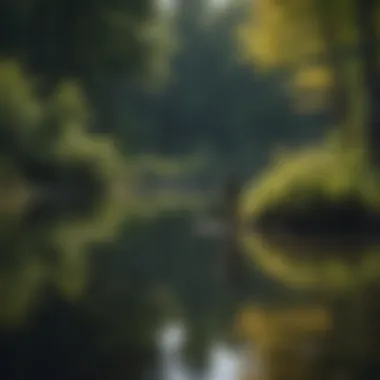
(79, 39)
(47, 153)
(213, 101)
(314, 184)
(336, 183)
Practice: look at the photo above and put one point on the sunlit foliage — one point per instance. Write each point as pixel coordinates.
(287, 344)
(306, 183)
(317, 44)
(271, 324)
(299, 36)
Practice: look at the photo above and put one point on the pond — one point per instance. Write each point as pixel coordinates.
(225, 362)
(84, 290)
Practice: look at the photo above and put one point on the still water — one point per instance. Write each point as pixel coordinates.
(225, 363)
(82, 292)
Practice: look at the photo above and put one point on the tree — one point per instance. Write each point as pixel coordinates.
(306, 173)
(289, 343)
(79, 39)
(102, 45)
(53, 171)
(316, 43)
(311, 221)
(214, 101)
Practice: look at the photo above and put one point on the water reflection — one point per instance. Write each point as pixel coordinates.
(224, 362)
(170, 341)
(79, 277)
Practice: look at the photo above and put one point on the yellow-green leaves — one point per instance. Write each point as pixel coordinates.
(290, 35)
(70, 105)
(48, 150)
(299, 182)
(19, 107)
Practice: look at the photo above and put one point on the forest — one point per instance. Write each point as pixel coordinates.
(122, 123)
